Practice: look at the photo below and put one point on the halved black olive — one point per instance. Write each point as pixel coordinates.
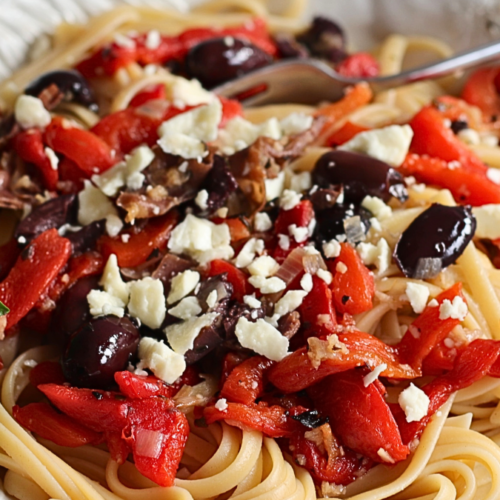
(360, 175)
(221, 59)
(434, 240)
(71, 83)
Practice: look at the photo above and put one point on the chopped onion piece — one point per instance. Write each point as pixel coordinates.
(148, 443)
(354, 229)
(292, 266)
(312, 263)
(196, 395)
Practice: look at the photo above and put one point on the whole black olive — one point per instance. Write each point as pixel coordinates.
(96, 351)
(459, 125)
(289, 48)
(51, 214)
(434, 240)
(219, 60)
(70, 82)
(325, 39)
(360, 175)
(86, 238)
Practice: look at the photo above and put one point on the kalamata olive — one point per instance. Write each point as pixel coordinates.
(71, 83)
(51, 214)
(434, 240)
(86, 238)
(289, 48)
(219, 60)
(325, 39)
(459, 125)
(223, 293)
(208, 339)
(360, 175)
(100, 348)
(219, 183)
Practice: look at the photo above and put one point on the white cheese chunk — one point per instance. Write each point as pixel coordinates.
(380, 255)
(262, 338)
(263, 266)
(183, 92)
(113, 225)
(493, 175)
(153, 40)
(262, 222)
(306, 282)
(295, 123)
(267, 285)
(161, 360)
(289, 302)
(147, 301)
(112, 281)
(300, 182)
(103, 303)
(456, 309)
(221, 404)
(274, 187)
(181, 336)
(211, 299)
(284, 241)
(93, 205)
(374, 374)
(202, 199)
(377, 207)
(325, 275)
(331, 249)
(251, 301)
(414, 402)
(417, 295)
(300, 234)
(186, 308)
(289, 199)
(488, 221)
(30, 112)
(53, 159)
(388, 144)
(182, 284)
(247, 253)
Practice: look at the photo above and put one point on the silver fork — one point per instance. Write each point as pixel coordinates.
(309, 81)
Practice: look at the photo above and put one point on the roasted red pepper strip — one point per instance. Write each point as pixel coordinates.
(42, 419)
(157, 435)
(467, 186)
(273, 421)
(359, 415)
(235, 276)
(148, 94)
(33, 273)
(481, 90)
(90, 153)
(29, 146)
(428, 330)
(353, 285)
(344, 134)
(359, 65)
(138, 248)
(47, 372)
(246, 381)
(296, 371)
(231, 361)
(101, 411)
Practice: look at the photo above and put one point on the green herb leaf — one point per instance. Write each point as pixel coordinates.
(3, 309)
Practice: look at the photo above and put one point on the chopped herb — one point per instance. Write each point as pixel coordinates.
(3, 309)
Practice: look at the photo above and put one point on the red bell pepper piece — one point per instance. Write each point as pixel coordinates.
(98, 410)
(33, 273)
(90, 153)
(47, 372)
(353, 286)
(138, 248)
(432, 137)
(359, 415)
(148, 94)
(231, 108)
(62, 430)
(467, 185)
(235, 276)
(359, 65)
(344, 134)
(296, 372)
(238, 229)
(481, 90)
(29, 146)
(71, 175)
(117, 446)
(157, 435)
(230, 362)
(246, 381)
(273, 421)
(9, 252)
(317, 312)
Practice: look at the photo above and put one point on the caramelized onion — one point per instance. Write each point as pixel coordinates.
(148, 443)
(293, 265)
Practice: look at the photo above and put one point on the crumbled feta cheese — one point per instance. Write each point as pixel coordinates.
(53, 159)
(325, 275)
(385, 456)
(211, 299)
(247, 253)
(262, 338)
(375, 224)
(202, 199)
(306, 282)
(113, 225)
(125, 238)
(181, 336)
(456, 309)
(493, 175)
(388, 144)
(295, 123)
(289, 302)
(30, 112)
(112, 281)
(301, 182)
(103, 303)
(221, 404)
(183, 92)
(186, 308)
(377, 207)
(22, 240)
(433, 303)
(469, 136)
(341, 267)
(153, 39)
(374, 374)
(182, 284)
(299, 233)
(283, 241)
(263, 266)
(262, 222)
(380, 255)
(417, 295)
(201, 239)
(414, 402)
(251, 301)
(331, 249)
(93, 205)
(147, 301)
(112, 180)
(161, 360)
(289, 199)
(124, 41)
(267, 285)
(488, 221)
(274, 187)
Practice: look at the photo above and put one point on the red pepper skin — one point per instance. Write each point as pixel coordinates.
(9, 252)
(118, 447)
(62, 430)
(98, 410)
(47, 372)
(354, 289)
(231, 108)
(273, 421)
(156, 414)
(29, 146)
(481, 90)
(90, 153)
(235, 276)
(359, 415)
(138, 248)
(148, 94)
(344, 134)
(33, 273)
(317, 312)
(359, 65)
(467, 185)
(230, 362)
(71, 175)
(296, 372)
(246, 381)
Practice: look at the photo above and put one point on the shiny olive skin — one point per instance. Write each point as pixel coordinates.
(219, 60)
(360, 175)
(441, 233)
(70, 82)
(103, 346)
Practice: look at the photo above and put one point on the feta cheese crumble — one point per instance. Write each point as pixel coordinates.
(331, 249)
(263, 266)
(161, 360)
(488, 221)
(267, 285)
(182, 284)
(30, 112)
(417, 295)
(456, 309)
(186, 308)
(289, 302)
(262, 222)
(414, 402)
(369, 378)
(289, 199)
(221, 404)
(147, 301)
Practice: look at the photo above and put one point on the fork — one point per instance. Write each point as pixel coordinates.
(309, 81)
